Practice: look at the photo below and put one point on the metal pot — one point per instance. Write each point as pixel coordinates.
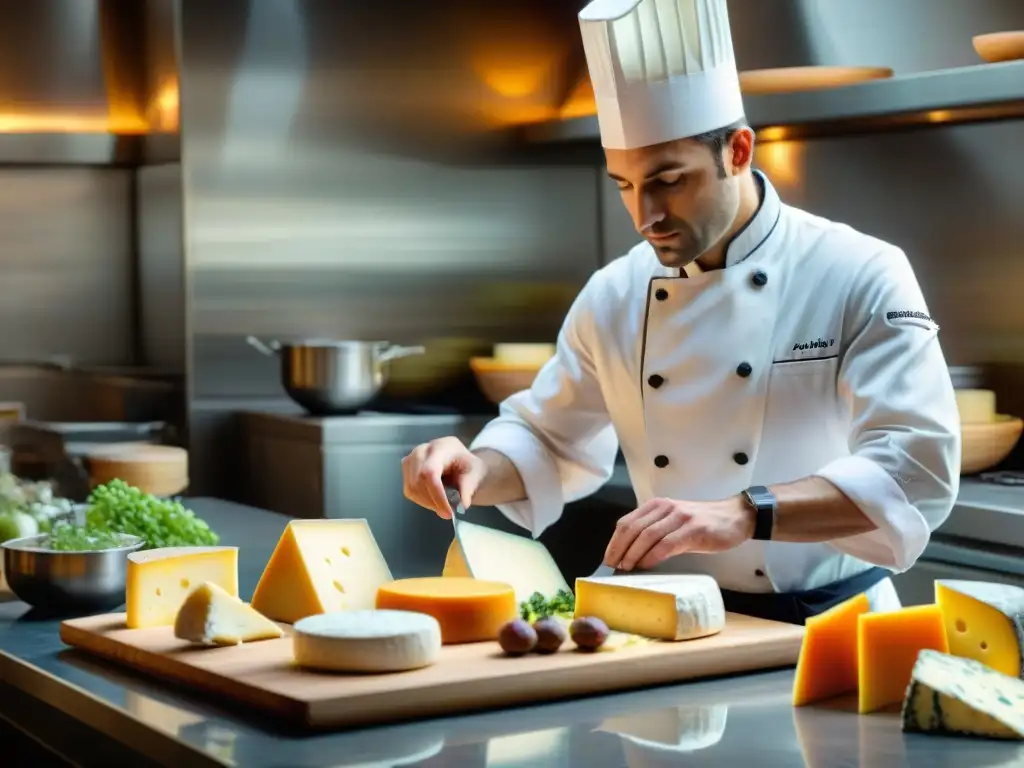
(328, 377)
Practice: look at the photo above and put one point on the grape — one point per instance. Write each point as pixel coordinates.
(117, 507)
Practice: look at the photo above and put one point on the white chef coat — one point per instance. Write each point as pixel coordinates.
(811, 353)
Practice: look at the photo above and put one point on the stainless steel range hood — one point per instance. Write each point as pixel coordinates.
(84, 81)
(928, 43)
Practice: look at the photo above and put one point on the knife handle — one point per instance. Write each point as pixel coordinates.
(454, 499)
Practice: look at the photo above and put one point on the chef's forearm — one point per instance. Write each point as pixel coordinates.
(813, 510)
(502, 483)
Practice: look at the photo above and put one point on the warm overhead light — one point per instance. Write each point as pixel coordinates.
(22, 122)
(772, 133)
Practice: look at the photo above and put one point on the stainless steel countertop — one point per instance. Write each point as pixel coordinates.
(113, 708)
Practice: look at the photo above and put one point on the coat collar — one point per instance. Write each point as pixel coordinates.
(758, 229)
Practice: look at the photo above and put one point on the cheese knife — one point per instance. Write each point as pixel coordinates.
(455, 502)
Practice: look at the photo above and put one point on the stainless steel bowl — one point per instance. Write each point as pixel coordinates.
(332, 377)
(50, 580)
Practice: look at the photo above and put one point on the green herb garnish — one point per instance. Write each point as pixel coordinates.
(540, 607)
(73, 538)
(121, 508)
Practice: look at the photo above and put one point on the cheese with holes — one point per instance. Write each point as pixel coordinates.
(367, 641)
(523, 563)
(660, 606)
(976, 406)
(321, 566)
(827, 666)
(468, 610)
(212, 616)
(984, 621)
(159, 580)
(952, 695)
(887, 648)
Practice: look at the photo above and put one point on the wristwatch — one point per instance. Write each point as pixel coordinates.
(764, 503)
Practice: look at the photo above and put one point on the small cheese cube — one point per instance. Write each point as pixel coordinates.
(321, 566)
(827, 666)
(468, 610)
(658, 606)
(524, 563)
(952, 695)
(888, 645)
(211, 616)
(159, 580)
(984, 621)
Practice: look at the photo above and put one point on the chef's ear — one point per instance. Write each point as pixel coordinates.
(740, 150)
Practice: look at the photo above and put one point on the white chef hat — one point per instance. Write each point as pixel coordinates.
(661, 69)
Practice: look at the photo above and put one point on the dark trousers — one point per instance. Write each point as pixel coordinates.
(796, 607)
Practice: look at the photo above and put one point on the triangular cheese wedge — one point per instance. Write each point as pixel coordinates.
(827, 666)
(488, 554)
(211, 616)
(321, 566)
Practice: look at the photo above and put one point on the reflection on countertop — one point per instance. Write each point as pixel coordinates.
(720, 722)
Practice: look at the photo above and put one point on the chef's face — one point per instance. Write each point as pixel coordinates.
(683, 195)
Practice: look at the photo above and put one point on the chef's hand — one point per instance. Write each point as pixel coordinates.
(445, 460)
(664, 528)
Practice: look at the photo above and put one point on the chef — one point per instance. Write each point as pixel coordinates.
(774, 379)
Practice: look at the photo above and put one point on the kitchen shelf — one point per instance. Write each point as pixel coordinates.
(965, 94)
(104, 149)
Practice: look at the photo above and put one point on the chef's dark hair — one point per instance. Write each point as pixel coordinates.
(717, 139)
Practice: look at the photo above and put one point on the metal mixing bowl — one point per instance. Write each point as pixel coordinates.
(50, 580)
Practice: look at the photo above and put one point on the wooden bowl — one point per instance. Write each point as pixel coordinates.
(499, 380)
(791, 79)
(1000, 46)
(985, 445)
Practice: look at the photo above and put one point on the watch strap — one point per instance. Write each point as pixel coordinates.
(764, 503)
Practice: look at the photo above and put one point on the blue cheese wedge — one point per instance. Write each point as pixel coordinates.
(953, 695)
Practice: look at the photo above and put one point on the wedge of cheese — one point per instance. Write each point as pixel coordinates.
(524, 563)
(828, 666)
(159, 580)
(659, 606)
(888, 645)
(952, 695)
(468, 610)
(976, 406)
(984, 621)
(212, 616)
(321, 566)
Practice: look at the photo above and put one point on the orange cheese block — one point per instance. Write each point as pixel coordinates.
(468, 610)
(888, 645)
(827, 665)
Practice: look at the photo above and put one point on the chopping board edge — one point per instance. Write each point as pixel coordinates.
(562, 684)
(537, 684)
(168, 669)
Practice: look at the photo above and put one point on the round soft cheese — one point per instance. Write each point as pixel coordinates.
(468, 610)
(367, 641)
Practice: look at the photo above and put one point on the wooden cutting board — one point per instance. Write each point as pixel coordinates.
(476, 676)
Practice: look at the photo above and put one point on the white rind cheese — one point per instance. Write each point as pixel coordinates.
(662, 606)
(371, 641)
(212, 616)
(952, 695)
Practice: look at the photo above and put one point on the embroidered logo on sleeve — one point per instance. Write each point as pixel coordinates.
(896, 317)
